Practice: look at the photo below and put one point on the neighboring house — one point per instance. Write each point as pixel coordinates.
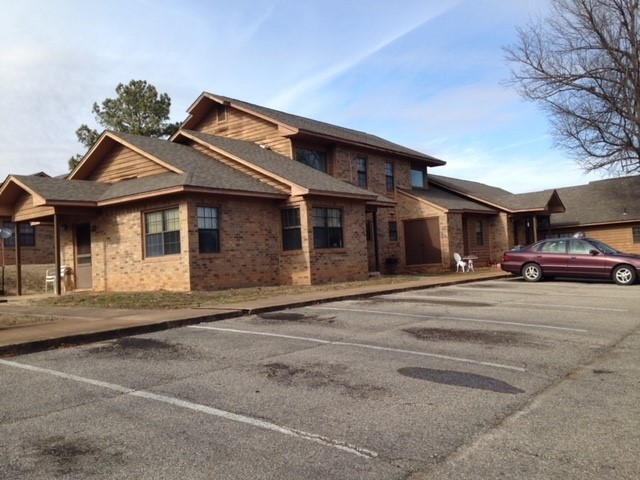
(608, 210)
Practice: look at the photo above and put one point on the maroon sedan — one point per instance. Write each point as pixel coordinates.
(571, 257)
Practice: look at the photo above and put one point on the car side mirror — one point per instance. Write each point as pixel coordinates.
(593, 251)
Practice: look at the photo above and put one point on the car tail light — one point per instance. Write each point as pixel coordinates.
(505, 257)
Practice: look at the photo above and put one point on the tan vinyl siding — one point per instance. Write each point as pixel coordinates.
(243, 126)
(25, 210)
(122, 163)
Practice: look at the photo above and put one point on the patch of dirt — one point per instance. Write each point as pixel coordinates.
(472, 336)
(459, 379)
(14, 321)
(143, 348)
(320, 376)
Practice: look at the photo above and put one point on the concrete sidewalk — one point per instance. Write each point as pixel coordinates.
(76, 325)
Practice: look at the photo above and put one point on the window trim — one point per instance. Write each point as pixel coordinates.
(291, 232)
(163, 234)
(361, 171)
(216, 230)
(27, 234)
(322, 234)
(389, 175)
(635, 234)
(322, 157)
(393, 231)
(418, 169)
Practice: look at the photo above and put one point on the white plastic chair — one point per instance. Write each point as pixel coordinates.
(459, 262)
(50, 278)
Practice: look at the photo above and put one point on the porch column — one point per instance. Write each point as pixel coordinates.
(18, 260)
(535, 228)
(56, 243)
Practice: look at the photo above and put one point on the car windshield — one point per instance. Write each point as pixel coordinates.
(603, 247)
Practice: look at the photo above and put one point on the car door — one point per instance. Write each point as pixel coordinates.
(584, 263)
(552, 257)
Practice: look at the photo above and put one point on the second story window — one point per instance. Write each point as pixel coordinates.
(362, 171)
(313, 158)
(418, 176)
(389, 176)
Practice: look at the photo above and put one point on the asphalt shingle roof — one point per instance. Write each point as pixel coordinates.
(449, 201)
(494, 195)
(329, 130)
(602, 201)
(281, 166)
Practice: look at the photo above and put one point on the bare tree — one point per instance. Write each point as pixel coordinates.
(581, 64)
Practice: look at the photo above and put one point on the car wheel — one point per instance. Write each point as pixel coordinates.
(532, 272)
(624, 275)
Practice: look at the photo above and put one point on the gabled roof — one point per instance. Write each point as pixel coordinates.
(294, 124)
(600, 202)
(544, 201)
(301, 178)
(447, 201)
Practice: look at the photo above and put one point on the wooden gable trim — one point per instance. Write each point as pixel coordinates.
(102, 148)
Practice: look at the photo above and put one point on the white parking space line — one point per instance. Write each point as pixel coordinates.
(365, 346)
(359, 451)
(464, 319)
(571, 307)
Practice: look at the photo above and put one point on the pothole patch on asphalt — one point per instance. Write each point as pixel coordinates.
(472, 336)
(319, 376)
(60, 457)
(459, 379)
(141, 347)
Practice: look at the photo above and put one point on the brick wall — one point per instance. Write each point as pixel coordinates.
(42, 253)
(340, 264)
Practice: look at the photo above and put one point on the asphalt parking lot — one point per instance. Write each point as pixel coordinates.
(479, 380)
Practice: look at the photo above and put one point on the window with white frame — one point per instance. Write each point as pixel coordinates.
(208, 229)
(162, 232)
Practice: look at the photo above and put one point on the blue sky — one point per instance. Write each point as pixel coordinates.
(422, 73)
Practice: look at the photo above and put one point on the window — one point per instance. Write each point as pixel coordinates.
(636, 234)
(393, 231)
(313, 158)
(208, 230)
(389, 176)
(27, 235)
(418, 176)
(580, 247)
(362, 171)
(291, 232)
(327, 228)
(162, 232)
(479, 233)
